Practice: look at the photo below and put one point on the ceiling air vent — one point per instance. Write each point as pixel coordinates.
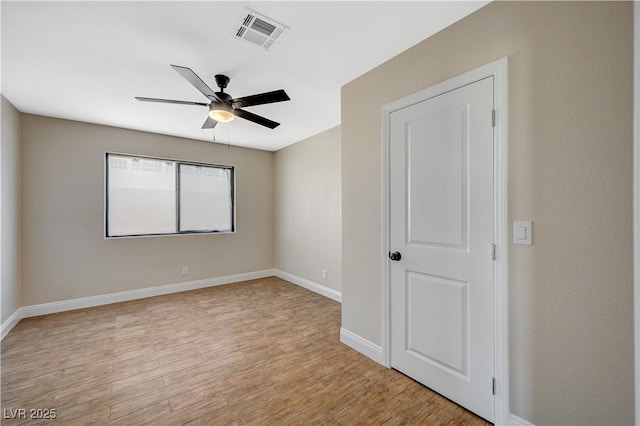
(259, 29)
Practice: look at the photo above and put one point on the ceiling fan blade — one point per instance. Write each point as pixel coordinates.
(255, 118)
(261, 98)
(209, 123)
(196, 82)
(170, 101)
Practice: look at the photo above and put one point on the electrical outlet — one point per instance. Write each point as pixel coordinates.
(185, 270)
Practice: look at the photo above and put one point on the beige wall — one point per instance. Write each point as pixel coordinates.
(570, 162)
(64, 253)
(10, 284)
(308, 209)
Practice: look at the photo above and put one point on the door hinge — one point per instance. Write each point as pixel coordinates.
(492, 248)
(493, 386)
(493, 118)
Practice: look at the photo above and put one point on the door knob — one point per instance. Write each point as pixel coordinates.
(395, 256)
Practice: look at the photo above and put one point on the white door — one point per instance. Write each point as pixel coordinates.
(442, 220)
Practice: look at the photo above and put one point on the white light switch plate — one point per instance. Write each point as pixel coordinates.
(522, 232)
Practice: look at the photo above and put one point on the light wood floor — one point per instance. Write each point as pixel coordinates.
(259, 352)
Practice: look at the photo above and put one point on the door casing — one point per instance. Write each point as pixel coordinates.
(499, 71)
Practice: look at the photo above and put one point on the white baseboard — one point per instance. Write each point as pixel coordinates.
(362, 345)
(10, 322)
(124, 296)
(518, 421)
(310, 285)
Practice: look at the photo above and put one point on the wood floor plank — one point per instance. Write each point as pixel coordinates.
(121, 395)
(261, 352)
(150, 414)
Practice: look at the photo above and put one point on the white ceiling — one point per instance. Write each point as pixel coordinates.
(87, 60)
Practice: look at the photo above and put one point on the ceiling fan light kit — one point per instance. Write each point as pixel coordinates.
(222, 107)
(220, 112)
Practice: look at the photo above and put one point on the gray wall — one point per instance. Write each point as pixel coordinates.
(570, 162)
(64, 253)
(308, 209)
(10, 284)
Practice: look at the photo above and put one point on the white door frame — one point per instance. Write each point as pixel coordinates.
(498, 70)
(636, 203)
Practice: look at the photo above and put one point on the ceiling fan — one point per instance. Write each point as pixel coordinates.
(222, 107)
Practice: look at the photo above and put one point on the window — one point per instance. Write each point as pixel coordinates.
(154, 196)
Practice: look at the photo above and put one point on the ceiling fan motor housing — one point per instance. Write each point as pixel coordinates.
(223, 96)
